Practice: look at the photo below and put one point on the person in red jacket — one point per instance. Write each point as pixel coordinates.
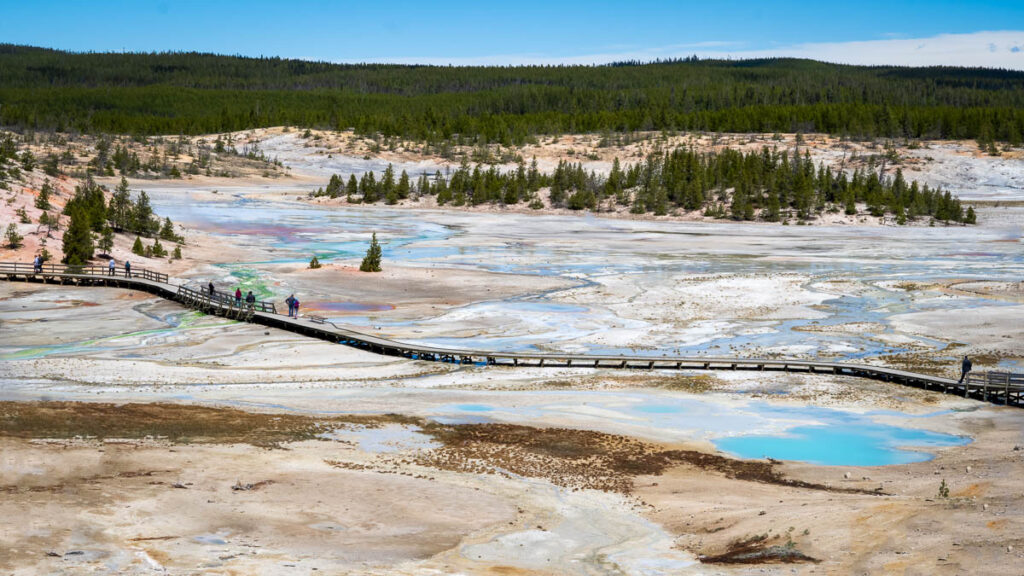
(238, 297)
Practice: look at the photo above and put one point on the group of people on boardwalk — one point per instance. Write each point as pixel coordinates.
(112, 268)
(293, 306)
(250, 298)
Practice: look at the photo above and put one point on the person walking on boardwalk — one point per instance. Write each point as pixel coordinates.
(238, 297)
(965, 368)
(211, 288)
(127, 269)
(295, 305)
(290, 301)
(250, 299)
(37, 264)
(112, 267)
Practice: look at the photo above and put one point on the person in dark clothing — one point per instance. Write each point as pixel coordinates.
(238, 296)
(290, 301)
(965, 368)
(295, 306)
(127, 269)
(37, 264)
(250, 299)
(211, 289)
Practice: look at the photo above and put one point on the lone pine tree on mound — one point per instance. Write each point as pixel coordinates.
(371, 263)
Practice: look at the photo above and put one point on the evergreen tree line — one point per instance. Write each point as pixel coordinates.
(768, 185)
(190, 93)
(94, 221)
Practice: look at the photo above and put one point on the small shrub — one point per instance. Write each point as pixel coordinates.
(158, 249)
(12, 237)
(314, 263)
(943, 489)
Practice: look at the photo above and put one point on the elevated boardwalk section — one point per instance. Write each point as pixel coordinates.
(997, 387)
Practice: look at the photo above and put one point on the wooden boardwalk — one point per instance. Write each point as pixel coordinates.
(997, 387)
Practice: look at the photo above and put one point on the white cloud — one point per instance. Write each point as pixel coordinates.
(993, 49)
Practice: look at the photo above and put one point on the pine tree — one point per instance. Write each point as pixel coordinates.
(403, 186)
(12, 237)
(334, 186)
(137, 247)
(158, 249)
(43, 200)
(387, 183)
(314, 263)
(106, 241)
(352, 188)
(371, 262)
(142, 219)
(167, 232)
(120, 208)
(971, 217)
(77, 243)
(177, 253)
(850, 207)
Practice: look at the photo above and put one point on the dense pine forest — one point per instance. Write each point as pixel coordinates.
(768, 185)
(191, 93)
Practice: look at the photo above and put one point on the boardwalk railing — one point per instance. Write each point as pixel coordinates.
(81, 270)
(999, 387)
(234, 307)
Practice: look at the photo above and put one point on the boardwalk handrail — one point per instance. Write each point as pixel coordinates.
(203, 297)
(999, 387)
(80, 269)
(73, 270)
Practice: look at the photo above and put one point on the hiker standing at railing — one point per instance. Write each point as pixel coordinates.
(250, 300)
(112, 267)
(965, 368)
(211, 289)
(238, 297)
(37, 264)
(127, 269)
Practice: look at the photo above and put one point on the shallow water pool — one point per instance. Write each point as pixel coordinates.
(749, 430)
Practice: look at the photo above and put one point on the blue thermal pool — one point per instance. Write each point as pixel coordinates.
(752, 430)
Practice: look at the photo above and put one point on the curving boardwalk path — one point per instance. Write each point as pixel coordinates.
(1001, 388)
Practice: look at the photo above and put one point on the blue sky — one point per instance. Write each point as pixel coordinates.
(980, 32)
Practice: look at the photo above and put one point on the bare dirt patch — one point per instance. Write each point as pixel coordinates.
(584, 459)
(174, 422)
